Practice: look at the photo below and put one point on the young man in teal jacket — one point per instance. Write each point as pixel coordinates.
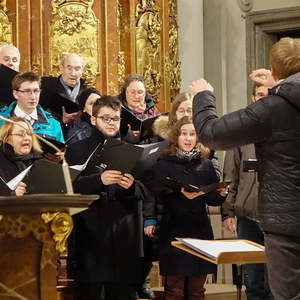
(26, 90)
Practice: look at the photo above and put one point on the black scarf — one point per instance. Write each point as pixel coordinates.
(22, 161)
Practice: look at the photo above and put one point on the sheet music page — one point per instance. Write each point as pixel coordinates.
(13, 183)
(214, 248)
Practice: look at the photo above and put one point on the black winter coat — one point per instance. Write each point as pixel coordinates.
(273, 124)
(182, 217)
(106, 242)
(54, 96)
(12, 164)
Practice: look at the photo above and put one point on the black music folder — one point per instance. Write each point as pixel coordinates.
(53, 97)
(175, 184)
(151, 153)
(6, 76)
(136, 124)
(4, 189)
(47, 177)
(117, 155)
(48, 149)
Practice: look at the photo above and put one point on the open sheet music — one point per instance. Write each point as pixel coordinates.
(223, 251)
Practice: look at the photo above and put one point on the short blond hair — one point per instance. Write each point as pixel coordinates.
(7, 127)
(285, 57)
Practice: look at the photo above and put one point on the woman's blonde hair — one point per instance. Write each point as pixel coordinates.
(7, 127)
(175, 132)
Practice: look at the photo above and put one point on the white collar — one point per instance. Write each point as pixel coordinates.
(20, 113)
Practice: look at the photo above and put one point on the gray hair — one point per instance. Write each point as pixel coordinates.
(5, 46)
(64, 55)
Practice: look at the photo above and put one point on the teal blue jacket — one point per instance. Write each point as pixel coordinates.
(46, 125)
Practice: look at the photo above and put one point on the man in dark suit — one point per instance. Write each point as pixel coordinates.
(59, 94)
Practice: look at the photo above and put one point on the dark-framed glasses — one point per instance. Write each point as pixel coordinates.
(108, 119)
(29, 92)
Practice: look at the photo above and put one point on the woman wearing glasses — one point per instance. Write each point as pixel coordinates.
(19, 148)
(135, 98)
(181, 106)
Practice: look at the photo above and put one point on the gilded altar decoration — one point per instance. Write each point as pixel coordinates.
(74, 28)
(3, 5)
(121, 67)
(172, 63)
(1, 217)
(21, 226)
(5, 25)
(148, 45)
(36, 66)
(61, 226)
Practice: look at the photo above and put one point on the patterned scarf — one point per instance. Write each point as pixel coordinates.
(188, 154)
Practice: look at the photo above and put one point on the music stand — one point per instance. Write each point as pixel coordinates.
(238, 258)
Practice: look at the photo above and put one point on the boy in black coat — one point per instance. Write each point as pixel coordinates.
(106, 243)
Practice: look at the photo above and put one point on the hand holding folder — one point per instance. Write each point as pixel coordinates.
(124, 157)
(136, 124)
(175, 184)
(43, 176)
(117, 155)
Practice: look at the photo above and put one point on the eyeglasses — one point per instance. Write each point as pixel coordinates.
(22, 134)
(29, 92)
(182, 111)
(107, 119)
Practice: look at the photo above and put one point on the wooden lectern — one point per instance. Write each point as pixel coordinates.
(33, 229)
(223, 256)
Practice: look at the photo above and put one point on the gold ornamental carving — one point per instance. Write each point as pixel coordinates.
(5, 25)
(21, 226)
(172, 63)
(121, 67)
(74, 28)
(3, 5)
(61, 226)
(36, 65)
(148, 44)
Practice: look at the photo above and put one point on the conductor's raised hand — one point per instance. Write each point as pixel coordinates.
(111, 177)
(200, 85)
(126, 181)
(264, 77)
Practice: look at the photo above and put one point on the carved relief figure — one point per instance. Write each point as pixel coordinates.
(74, 28)
(148, 50)
(5, 29)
